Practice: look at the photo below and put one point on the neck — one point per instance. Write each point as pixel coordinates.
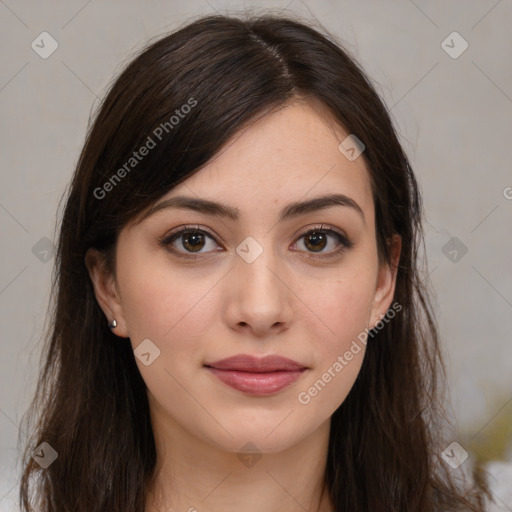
(192, 475)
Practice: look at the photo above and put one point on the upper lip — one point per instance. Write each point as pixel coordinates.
(247, 363)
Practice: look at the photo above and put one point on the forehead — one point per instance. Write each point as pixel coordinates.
(289, 155)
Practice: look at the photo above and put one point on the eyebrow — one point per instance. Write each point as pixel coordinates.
(290, 211)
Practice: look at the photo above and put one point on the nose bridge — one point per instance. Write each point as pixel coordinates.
(257, 266)
(259, 296)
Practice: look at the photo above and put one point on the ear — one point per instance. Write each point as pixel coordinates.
(386, 281)
(106, 291)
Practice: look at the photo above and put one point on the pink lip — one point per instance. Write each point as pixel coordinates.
(257, 376)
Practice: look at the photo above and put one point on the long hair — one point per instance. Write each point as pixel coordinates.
(185, 96)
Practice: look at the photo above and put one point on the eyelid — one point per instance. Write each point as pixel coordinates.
(328, 229)
(343, 239)
(166, 240)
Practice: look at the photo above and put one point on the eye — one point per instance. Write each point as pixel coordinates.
(191, 239)
(317, 239)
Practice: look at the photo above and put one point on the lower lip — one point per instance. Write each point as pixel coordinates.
(257, 383)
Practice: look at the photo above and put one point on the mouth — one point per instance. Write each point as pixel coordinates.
(257, 376)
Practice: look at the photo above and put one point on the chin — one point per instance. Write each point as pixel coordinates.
(255, 444)
(273, 437)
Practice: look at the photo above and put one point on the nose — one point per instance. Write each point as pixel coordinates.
(258, 295)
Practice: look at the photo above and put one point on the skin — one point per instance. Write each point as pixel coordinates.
(289, 301)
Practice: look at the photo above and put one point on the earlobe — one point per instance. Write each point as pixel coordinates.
(105, 290)
(386, 282)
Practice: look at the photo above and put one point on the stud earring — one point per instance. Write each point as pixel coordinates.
(113, 324)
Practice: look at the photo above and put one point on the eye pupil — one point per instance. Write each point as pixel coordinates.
(316, 237)
(193, 238)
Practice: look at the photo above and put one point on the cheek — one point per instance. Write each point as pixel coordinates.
(165, 306)
(340, 310)
(175, 313)
(348, 311)
(341, 314)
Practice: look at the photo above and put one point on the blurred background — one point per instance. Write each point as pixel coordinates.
(444, 69)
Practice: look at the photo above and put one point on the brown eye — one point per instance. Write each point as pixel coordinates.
(192, 240)
(317, 239)
(189, 241)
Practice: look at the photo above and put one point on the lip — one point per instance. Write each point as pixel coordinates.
(248, 363)
(257, 376)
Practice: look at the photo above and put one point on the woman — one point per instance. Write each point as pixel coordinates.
(239, 319)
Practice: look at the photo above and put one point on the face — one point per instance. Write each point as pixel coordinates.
(259, 276)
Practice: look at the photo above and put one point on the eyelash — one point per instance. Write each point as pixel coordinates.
(168, 239)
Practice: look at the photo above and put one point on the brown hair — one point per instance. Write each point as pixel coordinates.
(93, 410)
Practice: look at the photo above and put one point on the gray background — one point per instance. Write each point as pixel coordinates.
(454, 116)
